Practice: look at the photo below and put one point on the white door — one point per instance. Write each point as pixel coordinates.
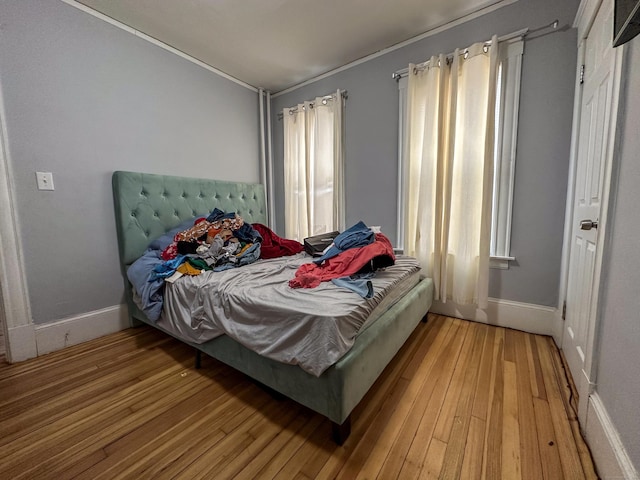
(592, 169)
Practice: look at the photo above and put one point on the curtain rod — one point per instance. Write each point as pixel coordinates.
(397, 75)
(325, 99)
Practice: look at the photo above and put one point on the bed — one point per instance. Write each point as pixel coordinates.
(148, 205)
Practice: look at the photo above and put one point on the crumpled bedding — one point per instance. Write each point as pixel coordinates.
(147, 274)
(312, 328)
(150, 293)
(256, 306)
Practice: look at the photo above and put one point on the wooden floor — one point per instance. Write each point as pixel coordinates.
(460, 400)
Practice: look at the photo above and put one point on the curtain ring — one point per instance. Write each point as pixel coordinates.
(485, 48)
(324, 101)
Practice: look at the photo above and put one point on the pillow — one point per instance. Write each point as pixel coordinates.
(165, 240)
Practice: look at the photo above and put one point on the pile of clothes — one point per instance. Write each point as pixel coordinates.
(218, 242)
(350, 261)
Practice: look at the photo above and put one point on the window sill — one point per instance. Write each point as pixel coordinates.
(500, 263)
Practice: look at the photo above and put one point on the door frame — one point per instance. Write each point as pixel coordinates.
(15, 308)
(585, 17)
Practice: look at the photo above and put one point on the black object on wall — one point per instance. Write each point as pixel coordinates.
(626, 21)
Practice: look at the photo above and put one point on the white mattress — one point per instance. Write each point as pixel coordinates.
(255, 306)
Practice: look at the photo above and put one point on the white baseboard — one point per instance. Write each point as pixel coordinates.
(71, 331)
(505, 313)
(609, 454)
(21, 343)
(558, 328)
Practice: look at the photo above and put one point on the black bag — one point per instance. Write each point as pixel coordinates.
(316, 244)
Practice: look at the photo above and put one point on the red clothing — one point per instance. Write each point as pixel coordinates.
(274, 246)
(378, 254)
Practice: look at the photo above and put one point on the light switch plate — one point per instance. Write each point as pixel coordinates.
(45, 180)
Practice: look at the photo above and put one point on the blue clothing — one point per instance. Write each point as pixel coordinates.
(359, 235)
(218, 214)
(250, 255)
(149, 291)
(247, 234)
(358, 283)
(166, 269)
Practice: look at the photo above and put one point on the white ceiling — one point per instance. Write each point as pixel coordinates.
(275, 44)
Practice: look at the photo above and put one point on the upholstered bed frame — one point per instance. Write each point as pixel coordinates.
(147, 206)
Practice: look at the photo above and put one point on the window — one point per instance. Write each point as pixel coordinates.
(506, 126)
(314, 164)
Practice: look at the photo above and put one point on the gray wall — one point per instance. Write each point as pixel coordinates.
(82, 99)
(543, 139)
(617, 377)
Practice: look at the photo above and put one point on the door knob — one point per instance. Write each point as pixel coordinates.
(588, 224)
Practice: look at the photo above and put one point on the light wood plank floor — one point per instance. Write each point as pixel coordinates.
(460, 400)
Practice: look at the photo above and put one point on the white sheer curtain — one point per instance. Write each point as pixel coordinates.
(451, 110)
(313, 167)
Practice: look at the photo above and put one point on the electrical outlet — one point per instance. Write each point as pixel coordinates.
(45, 180)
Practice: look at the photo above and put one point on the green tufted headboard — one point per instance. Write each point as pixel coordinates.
(148, 205)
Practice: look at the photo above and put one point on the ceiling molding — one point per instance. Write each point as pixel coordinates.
(428, 33)
(124, 17)
(157, 42)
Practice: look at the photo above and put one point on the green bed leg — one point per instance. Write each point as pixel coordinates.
(340, 433)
